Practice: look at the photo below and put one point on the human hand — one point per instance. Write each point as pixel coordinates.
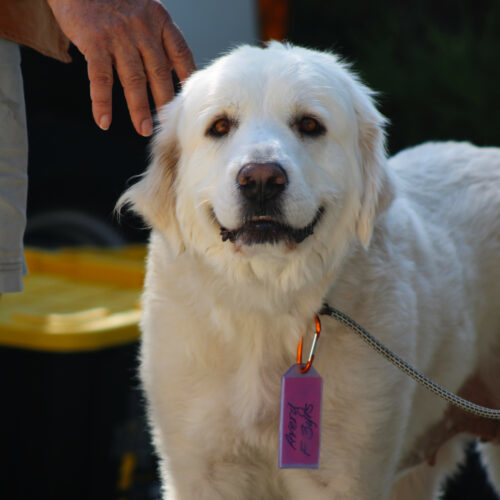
(138, 38)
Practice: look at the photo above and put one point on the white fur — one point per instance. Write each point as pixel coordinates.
(408, 247)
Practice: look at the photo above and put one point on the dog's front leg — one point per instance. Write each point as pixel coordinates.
(368, 478)
(203, 454)
(198, 464)
(363, 429)
(193, 469)
(204, 479)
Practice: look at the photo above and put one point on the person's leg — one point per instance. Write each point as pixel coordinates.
(13, 168)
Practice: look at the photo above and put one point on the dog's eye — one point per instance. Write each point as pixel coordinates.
(220, 127)
(310, 126)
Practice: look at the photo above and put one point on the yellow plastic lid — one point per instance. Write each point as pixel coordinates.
(75, 300)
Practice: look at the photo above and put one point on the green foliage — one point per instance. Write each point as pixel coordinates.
(435, 63)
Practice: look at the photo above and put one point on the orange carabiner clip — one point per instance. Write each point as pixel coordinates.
(309, 363)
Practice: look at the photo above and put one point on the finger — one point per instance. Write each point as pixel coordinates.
(178, 50)
(130, 69)
(100, 71)
(159, 74)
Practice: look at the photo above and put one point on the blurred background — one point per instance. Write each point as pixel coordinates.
(436, 68)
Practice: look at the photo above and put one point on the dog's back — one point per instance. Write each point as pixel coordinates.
(455, 190)
(456, 186)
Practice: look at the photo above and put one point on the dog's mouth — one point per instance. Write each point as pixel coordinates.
(267, 229)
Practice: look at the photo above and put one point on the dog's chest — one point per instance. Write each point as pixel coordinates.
(254, 396)
(256, 354)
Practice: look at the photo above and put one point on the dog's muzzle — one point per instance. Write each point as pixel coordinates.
(261, 186)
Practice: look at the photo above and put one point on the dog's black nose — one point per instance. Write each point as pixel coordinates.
(260, 182)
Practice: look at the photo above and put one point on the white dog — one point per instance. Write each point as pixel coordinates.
(270, 193)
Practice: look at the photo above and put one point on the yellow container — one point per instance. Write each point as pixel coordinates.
(75, 300)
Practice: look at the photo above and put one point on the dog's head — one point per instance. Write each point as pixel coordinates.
(267, 153)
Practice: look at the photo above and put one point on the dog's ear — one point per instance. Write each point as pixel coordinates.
(378, 188)
(154, 196)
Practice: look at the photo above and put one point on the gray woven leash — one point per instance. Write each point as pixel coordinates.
(461, 403)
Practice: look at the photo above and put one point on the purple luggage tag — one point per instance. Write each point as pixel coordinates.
(300, 411)
(300, 419)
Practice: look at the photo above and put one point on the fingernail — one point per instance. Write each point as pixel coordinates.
(147, 127)
(105, 122)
